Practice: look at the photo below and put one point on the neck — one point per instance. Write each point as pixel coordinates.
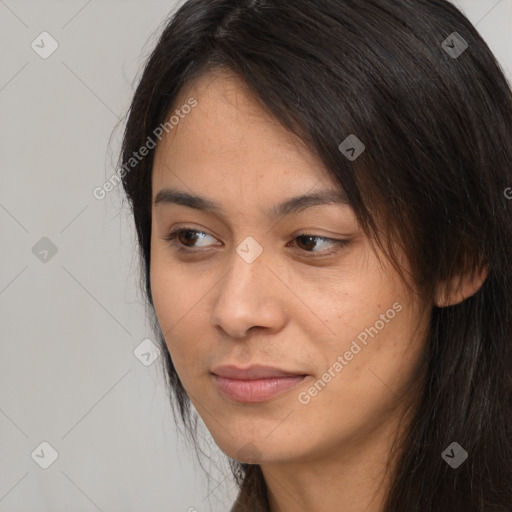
(353, 477)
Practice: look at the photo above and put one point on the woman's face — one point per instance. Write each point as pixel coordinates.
(247, 287)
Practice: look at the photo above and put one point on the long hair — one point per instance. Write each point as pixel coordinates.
(416, 83)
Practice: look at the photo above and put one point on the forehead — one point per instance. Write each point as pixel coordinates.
(230, 141)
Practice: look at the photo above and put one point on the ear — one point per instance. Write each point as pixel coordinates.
(461, 287)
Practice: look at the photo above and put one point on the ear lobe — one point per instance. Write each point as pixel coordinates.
(460, 287)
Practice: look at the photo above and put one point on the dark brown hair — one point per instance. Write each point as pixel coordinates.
(437, 126)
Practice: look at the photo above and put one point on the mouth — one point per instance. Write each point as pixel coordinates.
(254, 384)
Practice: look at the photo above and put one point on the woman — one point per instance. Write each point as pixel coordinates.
(325, 240)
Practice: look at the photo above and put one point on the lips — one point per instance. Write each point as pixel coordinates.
(254, 384)
(253, 372)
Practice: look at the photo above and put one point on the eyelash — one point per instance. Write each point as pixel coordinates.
(340, 244)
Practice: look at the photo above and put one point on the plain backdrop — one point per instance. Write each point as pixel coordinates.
(79, 390)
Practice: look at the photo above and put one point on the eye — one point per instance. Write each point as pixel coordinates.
(188, 236)
(337, 244)
(178, 234)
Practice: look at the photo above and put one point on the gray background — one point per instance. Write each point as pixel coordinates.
(70, 322)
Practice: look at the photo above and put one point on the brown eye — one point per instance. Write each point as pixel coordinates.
(311, 240)
(186, 237)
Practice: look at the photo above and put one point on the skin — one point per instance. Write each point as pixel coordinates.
(295, 307)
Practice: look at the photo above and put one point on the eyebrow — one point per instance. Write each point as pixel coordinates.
(287, 207)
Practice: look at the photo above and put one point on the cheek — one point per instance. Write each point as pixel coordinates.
(163, 293)
(177, 306)
(167, 302)
(375, 325)
(370, 385)
(170, 294)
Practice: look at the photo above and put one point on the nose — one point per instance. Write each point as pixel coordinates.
(249, 296)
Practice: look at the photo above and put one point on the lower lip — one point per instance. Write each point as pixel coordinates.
(255, 390)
